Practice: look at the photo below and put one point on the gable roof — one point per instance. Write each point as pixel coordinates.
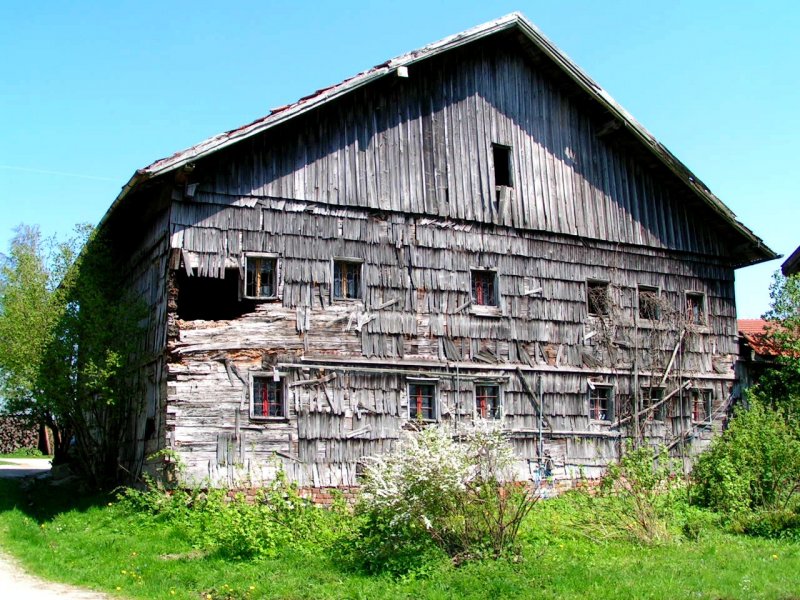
(752, 248)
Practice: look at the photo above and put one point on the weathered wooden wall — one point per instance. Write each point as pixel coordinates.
(423, 145)
(423, 265)
(147, 270)
(399, 175)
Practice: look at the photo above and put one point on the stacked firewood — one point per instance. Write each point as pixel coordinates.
(16, 433)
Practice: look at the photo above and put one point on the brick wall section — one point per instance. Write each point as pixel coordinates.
(16, 433)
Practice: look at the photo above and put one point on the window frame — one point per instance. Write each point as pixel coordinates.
(646, 396)
(495, 280)
(702, 313)
(655, 290)
(277, 275)
(270, 377)
(499, 411)
(609, 389)
(507, 169)
(433, 384)
(595, 283)
(349, 261)
(706, 395)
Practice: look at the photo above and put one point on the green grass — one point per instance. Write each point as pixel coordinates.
(97, 543)
(24, 454)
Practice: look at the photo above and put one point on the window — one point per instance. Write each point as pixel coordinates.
(597, 297)
(268, 399)
(261, 277)
(601, 402)
(422, 401)
(484, 287)
(696, 308)
(648, 303)
(487, 400)
(346, 279)
(701, 403)
(501, 156)
(650, 397)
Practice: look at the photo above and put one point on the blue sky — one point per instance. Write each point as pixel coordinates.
(91, 91)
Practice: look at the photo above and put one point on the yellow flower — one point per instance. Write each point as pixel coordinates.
(252, 587)
(775, 556)
(118, 588)
(123, 571)
(172, 592)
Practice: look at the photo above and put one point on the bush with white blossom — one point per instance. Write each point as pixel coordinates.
(454, 488)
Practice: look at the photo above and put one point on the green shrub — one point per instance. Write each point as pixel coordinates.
(439, 488)
(277, 519)
(640, 484)
(776, 524)
(753, 465)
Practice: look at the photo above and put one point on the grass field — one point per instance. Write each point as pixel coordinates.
(99, 543)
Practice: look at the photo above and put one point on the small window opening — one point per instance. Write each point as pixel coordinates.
(487, 400)
(651, 397)
(601, 406)
(597, 297)
(346, 280)
(648, 301)
(268, 398)
(701, 402)
(501, 155)
(261, 277)
(422, 401)
(484, 287)
(696, 308)
(210, 298)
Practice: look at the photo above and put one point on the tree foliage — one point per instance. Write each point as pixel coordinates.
(780, 387)
(754, 465)
(68, 337)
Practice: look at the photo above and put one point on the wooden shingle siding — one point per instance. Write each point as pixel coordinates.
(417, 280)
(423, 145)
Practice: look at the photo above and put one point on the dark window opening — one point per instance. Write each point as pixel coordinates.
(422, 401)
(601, 406)
(597, 297)
(701, 402)
(696, 308)
(501, 155)
(651, 397)
(261, 277)
(268, 398)
(210, 298)
(346, 280)
(648, 299)
(484, 289)
(487, 400)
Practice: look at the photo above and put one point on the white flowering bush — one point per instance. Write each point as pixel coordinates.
(454, 490)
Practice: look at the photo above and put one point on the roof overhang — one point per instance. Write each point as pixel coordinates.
(752, 248)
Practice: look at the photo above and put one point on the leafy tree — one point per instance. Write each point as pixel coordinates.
(754, 465)
(780, 387)
(31, 303)
(70, 338)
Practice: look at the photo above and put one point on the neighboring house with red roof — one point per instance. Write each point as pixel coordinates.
(756, 352)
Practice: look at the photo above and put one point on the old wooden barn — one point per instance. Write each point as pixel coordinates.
(472, 230)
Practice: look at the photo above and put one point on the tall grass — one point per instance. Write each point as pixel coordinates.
(137, 552)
